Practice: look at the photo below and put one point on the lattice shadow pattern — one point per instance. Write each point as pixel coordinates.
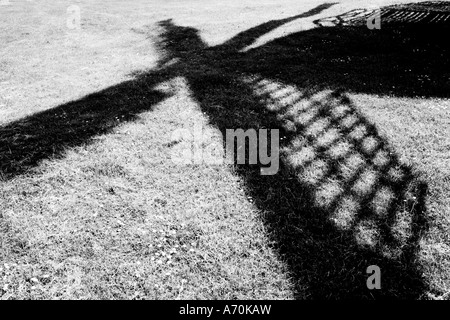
(429, 13)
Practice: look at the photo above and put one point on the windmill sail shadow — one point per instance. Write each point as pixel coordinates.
(342, 200)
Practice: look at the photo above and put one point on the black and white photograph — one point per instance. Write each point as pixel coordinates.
(251, 152)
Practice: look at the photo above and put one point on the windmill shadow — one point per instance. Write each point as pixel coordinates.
(342, 200)
(336, 204)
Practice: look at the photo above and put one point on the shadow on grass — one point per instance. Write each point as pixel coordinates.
(26, 142)
(342, 200)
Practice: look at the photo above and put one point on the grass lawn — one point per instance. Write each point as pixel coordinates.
(92, 205)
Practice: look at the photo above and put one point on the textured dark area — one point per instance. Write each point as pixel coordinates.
(430, 12)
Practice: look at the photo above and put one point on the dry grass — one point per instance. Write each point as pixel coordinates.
(92, 206)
